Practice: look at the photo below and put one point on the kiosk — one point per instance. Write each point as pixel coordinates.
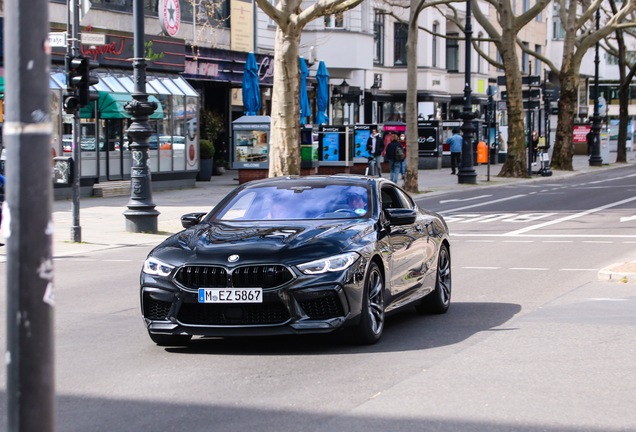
(308, 150)
(429, 144)
(335, 154)
(250, 147)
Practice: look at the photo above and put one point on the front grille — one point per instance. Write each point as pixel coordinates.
(202, 277)
(327, 306)
(156, 309)
(266, 276)
(244, 314)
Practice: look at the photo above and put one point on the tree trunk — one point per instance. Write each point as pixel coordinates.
(516, 159)
(564, 141)
(412, 153)
(284, 147)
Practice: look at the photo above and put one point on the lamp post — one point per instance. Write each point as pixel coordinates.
(595, 159)
(141, 215)
(467, 173)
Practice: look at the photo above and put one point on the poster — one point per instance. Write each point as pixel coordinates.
(330, 147)
(360, 142)
(580, 134)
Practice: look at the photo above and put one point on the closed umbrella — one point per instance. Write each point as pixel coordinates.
(305, 110)
(251, 91)
(322, 93)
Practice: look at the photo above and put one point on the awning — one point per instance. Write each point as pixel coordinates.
(111, 106)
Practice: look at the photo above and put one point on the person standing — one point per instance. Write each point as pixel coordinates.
(535, 145)
(394, 164)
(375, 146)
(456, 141)
(403, 142)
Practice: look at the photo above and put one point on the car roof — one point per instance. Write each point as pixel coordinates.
(351, 179)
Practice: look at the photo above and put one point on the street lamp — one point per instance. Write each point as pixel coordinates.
(344, 87)
(374, 89)
(467, 173)
(595, 159)
(141, 215)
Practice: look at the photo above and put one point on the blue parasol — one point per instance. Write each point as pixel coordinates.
(251, 91)
(305, 110)
(322, 93)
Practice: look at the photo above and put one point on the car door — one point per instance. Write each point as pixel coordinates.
(407, 245)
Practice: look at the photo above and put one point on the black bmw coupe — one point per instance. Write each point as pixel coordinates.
(298, 255)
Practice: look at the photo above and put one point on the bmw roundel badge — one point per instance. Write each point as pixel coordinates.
(233, 258)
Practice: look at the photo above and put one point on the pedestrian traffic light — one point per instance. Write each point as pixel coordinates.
(71, 103)
(80, 78)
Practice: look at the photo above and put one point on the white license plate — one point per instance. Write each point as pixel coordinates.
(230, 295)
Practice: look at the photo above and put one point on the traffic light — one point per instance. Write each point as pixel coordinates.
(71, 103)
(80, 78)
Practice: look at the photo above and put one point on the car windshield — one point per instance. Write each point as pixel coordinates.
(297, 202)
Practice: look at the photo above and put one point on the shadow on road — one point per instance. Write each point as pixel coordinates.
(404, 331)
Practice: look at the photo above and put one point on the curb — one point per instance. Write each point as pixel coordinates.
(621, 272)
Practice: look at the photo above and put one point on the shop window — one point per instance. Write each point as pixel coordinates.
(401, 33)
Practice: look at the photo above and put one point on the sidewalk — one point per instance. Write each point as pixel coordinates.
(103, 225)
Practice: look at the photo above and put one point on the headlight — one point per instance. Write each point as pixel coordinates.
(331, 264)
(153, 266)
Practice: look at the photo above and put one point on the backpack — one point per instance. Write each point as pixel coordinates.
(399, 153)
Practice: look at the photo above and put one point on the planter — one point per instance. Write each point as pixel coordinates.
(205, 169)
(219, 170)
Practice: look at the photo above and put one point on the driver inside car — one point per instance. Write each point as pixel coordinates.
(357, 203)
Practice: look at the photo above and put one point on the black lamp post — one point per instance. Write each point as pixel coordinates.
(595, 159)
(141, 215)
(344, 87)
(467, 173)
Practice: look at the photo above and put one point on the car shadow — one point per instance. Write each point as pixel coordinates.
(403, 331)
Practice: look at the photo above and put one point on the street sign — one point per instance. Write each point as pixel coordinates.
(501, 105)
(531, 80)
(527, 94)
(501, 80)
(93, 38)
(531, 104)
(57, 39)
(85, 6)
(551, 92)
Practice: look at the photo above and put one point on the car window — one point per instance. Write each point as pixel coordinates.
(406, 199)
(390, 198)
(297, 201)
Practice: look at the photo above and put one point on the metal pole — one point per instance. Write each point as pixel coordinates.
(466, 172)
(595, 159)
(488, 124)
(27, 225)
(76, 229)
(141, 215)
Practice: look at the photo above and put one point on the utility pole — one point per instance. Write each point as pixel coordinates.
(27, 225)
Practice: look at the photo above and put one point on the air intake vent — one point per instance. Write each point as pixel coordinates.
(268, 276)
(156, 309)
(244, 314)
(327, 306)
(202, 277)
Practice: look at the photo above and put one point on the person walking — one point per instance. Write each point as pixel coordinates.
(456, 141)
(391, 156)
(403, 142)
(375, 146)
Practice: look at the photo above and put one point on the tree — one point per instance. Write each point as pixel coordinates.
(580, 36)
(291, 18)
(506, 42)
(626, 76)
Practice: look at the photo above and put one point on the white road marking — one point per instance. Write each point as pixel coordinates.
(595, 241)
(612, 179)
(558, 241)
(466, 199)
(518, 241)
(607, 299)
(480, 241)
(578, 269)
(628, 218)
(529, 268)
(482, 204)
(118, 260)
(482, 268)
(629, 242)
(567, 218)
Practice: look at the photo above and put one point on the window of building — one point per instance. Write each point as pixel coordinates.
(378, 36)
(400, 36)
(499, 60)
(558, 32)
(334, 21)
(525, 60)
(452, 53)
(537, 62)
(526, 5)
(434, 50)
(479, 45)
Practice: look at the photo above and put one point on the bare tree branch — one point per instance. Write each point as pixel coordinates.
(485, 23)
(324, 7)
(486, 56)
(544, 59)
(521, 21)
(271, 11)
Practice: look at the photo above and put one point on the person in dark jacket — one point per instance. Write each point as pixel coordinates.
(390, 155)
(375, 146)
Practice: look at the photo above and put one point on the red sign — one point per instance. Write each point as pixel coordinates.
(580, 133)
(170, 16)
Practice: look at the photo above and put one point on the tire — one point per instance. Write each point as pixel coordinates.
(170, 340)
(439, 300)
(371, 325)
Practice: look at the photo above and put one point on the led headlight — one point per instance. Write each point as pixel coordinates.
(153, 266)
(331, 264)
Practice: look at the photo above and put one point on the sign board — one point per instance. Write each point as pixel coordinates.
(93, 39)
(527, 94)
(580, 133)
(531, 104)
(526, 80)
(242, 25)
(602, 106)
(501, 105)
(57, 39)
(170, 16)
(428, 138)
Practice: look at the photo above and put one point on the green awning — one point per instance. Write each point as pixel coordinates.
(111, 106)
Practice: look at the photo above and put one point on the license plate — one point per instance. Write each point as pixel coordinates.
(216, 295)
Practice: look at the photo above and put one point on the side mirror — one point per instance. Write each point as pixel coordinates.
(191, 219)
(401, 216)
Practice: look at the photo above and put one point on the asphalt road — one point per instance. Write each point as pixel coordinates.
(532, 341)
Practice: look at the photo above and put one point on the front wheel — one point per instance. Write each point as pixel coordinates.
(170, 340)
(371, 325)
(438, 301)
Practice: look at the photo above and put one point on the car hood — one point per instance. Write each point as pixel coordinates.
(289, 242)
